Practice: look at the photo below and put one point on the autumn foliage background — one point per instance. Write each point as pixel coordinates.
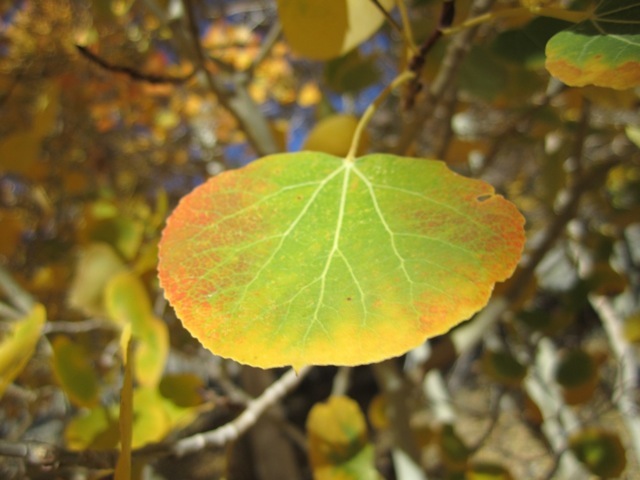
(111, 111)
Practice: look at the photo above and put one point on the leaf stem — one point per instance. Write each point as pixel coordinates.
(558, 13)
(371, 109)
(407, 32)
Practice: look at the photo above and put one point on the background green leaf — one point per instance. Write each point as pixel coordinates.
(603, 50)
(308, 259)
(75, 371)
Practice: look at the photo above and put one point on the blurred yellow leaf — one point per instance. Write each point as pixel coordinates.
(18, 345)
(633, 133)
(95, 429)
(338, 446)
(309, 94)
(631, 327)
(127, 302)
(96, 265)
(152, 350)
(151, 419)
(377, 412)
(333, 135)
(321, 30)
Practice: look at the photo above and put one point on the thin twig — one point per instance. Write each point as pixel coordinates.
(232, 430)
(79, 326)
(368, 113)
(555, 88)
(7, 311)
(407, 32)
(20, 298)
(266, 46)
(231, 93)
(132, 72)
(454, 55)
(628, 364)
(341, 381)
(395, 387)
(54, 457)
(388, 16)
(558, 418)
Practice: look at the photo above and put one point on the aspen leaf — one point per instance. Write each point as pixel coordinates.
(322, 30)
(338, 446)
(603, 50)
(308, 259)
(18, 345)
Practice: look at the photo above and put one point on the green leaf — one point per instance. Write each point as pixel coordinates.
(455, 453)
(338, 446)
(322, 30)
(503, 367)
(482, 74)
(600, 451)
(18, 345)
(307, 258)
(526, 45)
(75, 372)
(352, 72)
(603, 50)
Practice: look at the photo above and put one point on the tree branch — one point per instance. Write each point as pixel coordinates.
(232, 430)
(19, 298)
(232, 94)
(53, 457)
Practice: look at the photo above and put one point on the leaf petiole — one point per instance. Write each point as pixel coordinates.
(371, 109)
